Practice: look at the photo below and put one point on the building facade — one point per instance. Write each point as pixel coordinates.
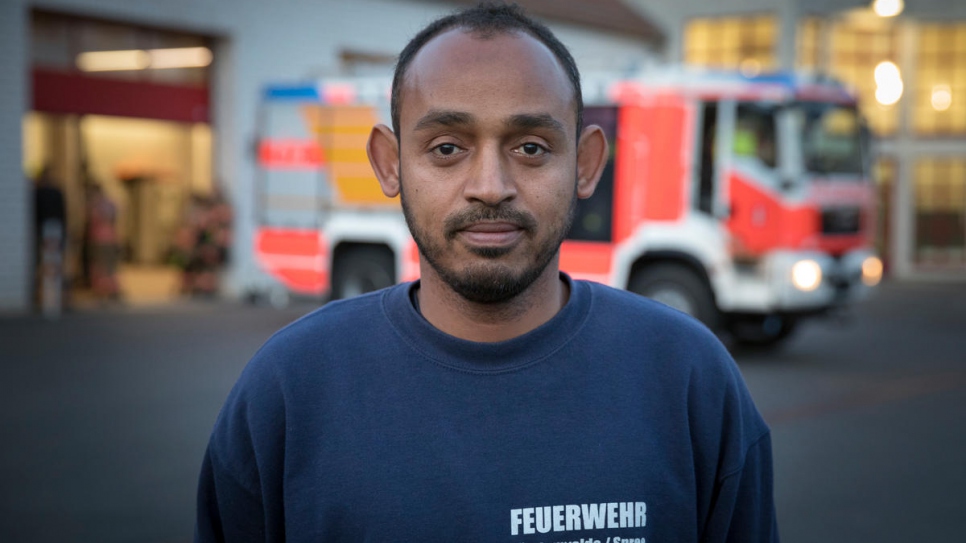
(154, 136)
(154, 139)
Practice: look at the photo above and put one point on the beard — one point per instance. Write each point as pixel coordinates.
(487, 280)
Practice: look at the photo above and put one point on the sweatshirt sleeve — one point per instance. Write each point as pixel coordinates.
(240, 486)
(227, 510)
(743, 509)
(733, 456)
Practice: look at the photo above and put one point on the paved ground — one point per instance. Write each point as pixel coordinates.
(104, 418)
(868, 417)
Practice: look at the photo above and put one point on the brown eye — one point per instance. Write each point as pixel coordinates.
(446, 149)
(532, 149)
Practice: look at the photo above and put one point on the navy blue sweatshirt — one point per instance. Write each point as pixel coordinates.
(619, 420)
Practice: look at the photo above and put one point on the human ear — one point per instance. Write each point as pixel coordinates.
(383, 151)
(591, 159)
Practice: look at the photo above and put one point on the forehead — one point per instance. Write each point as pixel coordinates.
(508, 72)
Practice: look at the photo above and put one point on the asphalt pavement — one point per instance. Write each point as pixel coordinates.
(104, 416)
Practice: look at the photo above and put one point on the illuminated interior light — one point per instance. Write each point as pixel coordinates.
(888, 80)
(890, 94)
(887, 8)
(942, 97)
(181, 57)
(137, 59)
(887, 72)
(112, 61)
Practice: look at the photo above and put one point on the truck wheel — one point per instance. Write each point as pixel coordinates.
(677, 286)
(761, 330)
(358, 270)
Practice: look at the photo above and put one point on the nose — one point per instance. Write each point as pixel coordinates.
(490, 181)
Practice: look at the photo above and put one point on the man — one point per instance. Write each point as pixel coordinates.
(50, 228)
(495, 399)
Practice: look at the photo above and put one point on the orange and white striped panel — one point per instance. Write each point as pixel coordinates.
(298, 258)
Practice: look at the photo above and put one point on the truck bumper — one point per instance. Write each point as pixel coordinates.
(769, 288)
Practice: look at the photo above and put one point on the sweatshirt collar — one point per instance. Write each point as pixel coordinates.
(479, 357)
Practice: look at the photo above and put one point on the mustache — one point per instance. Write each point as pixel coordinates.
(467, 217)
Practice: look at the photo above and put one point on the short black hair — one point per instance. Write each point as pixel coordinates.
(486, 20)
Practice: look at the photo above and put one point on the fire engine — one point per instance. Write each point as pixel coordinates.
(744, 201)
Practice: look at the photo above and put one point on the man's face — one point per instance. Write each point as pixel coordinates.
(488, 174)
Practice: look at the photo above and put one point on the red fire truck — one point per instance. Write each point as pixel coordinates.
(743, 201)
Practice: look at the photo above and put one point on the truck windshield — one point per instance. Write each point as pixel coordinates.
(832, 138)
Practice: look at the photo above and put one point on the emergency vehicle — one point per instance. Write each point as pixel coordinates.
(743, 201)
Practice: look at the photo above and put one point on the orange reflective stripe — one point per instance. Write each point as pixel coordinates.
(289, 242)
(290, 154)
(303, 281)
(296, 258)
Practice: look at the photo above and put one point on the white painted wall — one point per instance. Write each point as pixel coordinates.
(15, 214)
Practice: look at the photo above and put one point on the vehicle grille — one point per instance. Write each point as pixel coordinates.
(841, 220)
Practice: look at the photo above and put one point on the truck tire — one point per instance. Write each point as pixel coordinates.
(761, 330)
(677, 286)
(362, 269)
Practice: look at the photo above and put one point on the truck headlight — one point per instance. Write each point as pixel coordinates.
(806, 275)
(871, 271)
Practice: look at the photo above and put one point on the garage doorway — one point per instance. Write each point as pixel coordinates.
(120, 115)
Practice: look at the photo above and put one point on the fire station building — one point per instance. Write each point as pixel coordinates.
(153, 106)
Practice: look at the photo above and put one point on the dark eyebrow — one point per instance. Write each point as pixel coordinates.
(436, 118)
(527, 121)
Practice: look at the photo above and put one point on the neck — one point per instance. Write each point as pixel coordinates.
(451, 313)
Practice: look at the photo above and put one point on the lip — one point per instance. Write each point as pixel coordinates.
(491, 234)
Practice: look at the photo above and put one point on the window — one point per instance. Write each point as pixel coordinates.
(594, 215)
(832, 139)
(709, 126)
(747, 43)
(755, 133)
(941, 212)
(855, 53)
(808, 44)
(940, 97)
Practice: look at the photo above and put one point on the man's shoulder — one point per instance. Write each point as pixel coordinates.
(350, 316)
(330, 328)
(660, 336)
(683, 351)
(635, 312)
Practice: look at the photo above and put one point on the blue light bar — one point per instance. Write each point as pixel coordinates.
(300, 93)
(780, 78)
